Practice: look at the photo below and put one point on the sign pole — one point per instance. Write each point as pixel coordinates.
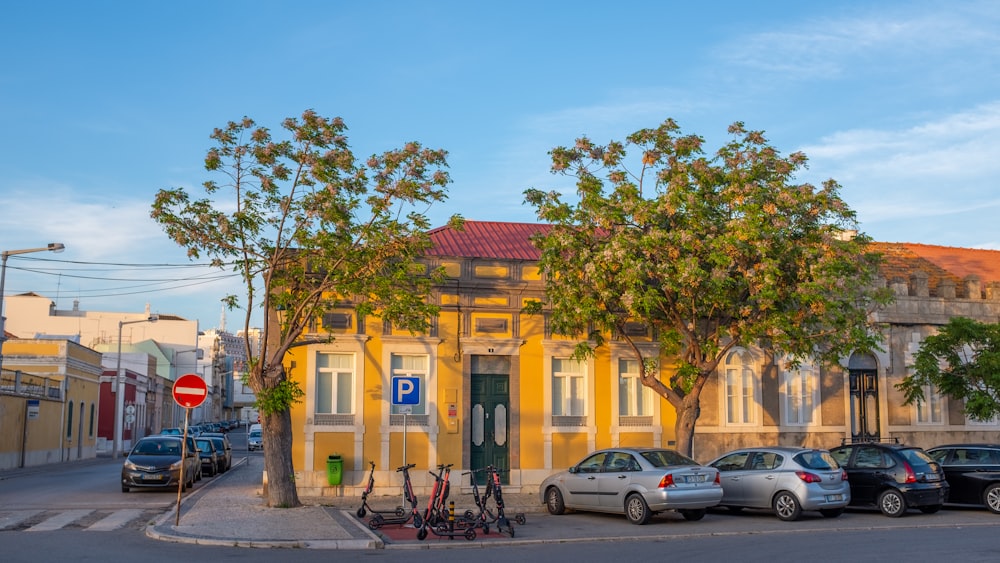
(180, 483)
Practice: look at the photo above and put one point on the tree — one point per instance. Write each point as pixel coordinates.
(308, 228)
(710, 253)
(963, 362)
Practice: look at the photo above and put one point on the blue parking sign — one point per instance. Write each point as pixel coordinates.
(406, 390)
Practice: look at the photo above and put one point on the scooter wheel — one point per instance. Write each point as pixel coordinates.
(469, 515)
(470, 534)
(486, 529)
(520, 519)
(422, 534)
(418, 521)
(400, 511)
(376, 522)
(362, 512)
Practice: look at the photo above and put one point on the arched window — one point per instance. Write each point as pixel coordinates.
(740, 382)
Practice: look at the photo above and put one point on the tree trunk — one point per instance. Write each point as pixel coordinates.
(687, 416)
(277, 431)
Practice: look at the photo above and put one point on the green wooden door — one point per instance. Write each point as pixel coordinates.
(490, 424)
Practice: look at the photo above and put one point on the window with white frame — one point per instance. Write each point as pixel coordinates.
(634, 398)
(741, 388)
(800, 390)
(334, 383)
(930, 409)
(411, 365)
(569, 387)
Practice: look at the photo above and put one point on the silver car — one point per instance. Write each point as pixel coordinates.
(787, 480)
(636, 482)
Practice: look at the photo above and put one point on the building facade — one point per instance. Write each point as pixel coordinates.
(49, 401)
(489, 384)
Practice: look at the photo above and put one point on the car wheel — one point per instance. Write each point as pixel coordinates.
(636, 509)
(554, 501)
(831, 512)
(693, 515)
(786, 506)
(892, 503)
(991, 498)
(930, 509)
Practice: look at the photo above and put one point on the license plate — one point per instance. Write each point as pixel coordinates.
(694, 478)
(832, 498)
(157, 477)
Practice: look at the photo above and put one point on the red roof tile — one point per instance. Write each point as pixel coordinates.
(487, 239)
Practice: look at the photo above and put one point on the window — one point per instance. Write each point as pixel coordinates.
(69, 421)
(411, 366)
(930, 410)
(568, 388)
(741, 389)
(634, 398)
(334, 383)
(800, 392)
(90, 426)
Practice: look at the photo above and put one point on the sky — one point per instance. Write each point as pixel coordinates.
(103, 103)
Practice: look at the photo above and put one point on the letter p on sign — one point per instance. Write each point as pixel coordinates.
(406, 390)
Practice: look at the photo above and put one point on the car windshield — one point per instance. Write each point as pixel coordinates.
(816, 459)
(916, 457)
(158, 447)
(666, 458)
(204, 445)
(255, 434)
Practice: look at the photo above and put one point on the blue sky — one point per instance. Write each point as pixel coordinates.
(103, 103)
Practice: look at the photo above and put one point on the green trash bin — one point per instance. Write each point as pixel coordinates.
(334, 469)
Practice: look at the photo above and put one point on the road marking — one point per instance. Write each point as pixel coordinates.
(115, 520)
(59, 521)
(16, 517)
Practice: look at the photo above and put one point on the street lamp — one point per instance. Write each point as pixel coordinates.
(120, 377)
(52, 247)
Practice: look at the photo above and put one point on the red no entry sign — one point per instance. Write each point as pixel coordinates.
(190, 391)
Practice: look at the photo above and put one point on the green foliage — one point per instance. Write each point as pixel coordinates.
(279, 398)
(308, 226)
(963, 362)
(711, 252)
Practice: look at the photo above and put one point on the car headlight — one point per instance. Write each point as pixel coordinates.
(175, 465)
(129, 466)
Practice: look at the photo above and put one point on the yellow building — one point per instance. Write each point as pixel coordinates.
(491, 385)
(49, 398)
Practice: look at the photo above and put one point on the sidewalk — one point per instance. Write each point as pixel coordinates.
(230, 511)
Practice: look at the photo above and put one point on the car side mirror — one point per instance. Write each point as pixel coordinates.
(574, 469)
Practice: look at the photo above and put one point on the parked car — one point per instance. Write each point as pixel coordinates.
(972, 472)
(636, 482)
(223, 446)
(211, 458)
(172, 431)
(893, 477)
(787, 480)
(255, 440)
(155, 461)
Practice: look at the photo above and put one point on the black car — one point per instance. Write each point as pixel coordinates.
(892, 477)
(973, 473)
(224, 447)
